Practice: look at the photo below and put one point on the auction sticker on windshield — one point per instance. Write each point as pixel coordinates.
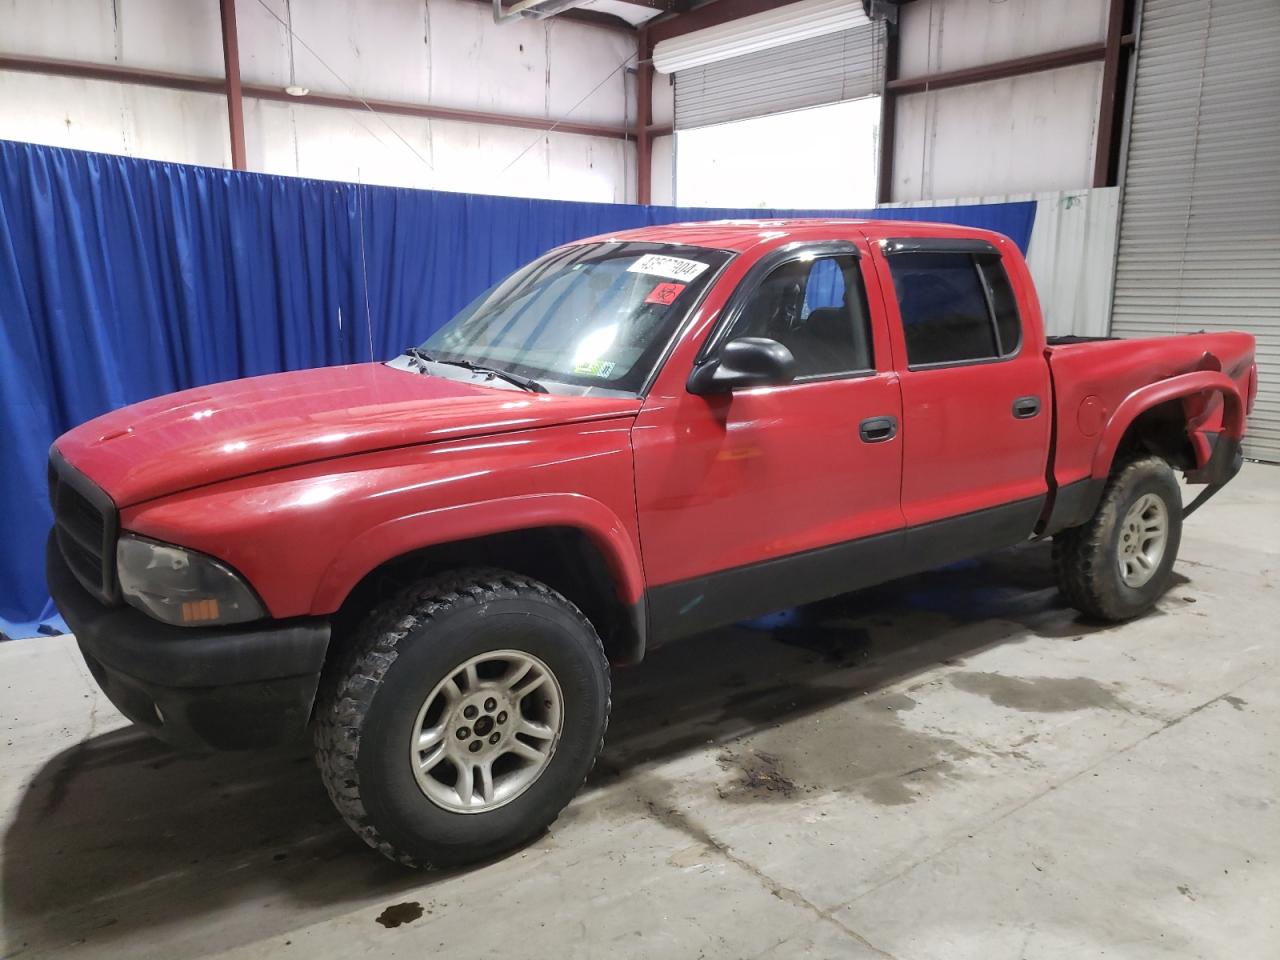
(672, 268)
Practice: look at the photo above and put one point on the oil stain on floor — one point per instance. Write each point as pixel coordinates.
(400, 913)
(1040, 694)
(865, 749)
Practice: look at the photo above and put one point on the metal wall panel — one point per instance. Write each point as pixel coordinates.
(1071, 254)
(1200, 224)
(839, 66)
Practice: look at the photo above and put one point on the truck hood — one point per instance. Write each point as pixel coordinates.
(232, 429)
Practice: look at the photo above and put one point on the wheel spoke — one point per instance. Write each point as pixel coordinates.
(486, 782)
(522, 749)
(466, 784)
(429, 737)
(450, 690)
(539, 731)
(1143, 561)
(521, 670)
(432, 759)
(473, 678)
(522, 691)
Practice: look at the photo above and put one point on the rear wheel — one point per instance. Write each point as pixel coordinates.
(467, 714)
(1115, 566)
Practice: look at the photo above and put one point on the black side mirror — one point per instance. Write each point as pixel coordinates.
(745, 362)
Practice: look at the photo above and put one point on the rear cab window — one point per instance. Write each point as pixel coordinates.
(957, 306)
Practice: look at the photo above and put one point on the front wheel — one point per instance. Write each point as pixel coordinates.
(468, 713)
(1118, 564)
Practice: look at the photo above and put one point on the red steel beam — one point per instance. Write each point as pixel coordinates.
(235, 100)
(438, 113)
(111, 72)
(888, 118)
(173, 81)
(1110, 88)
(1019, 66)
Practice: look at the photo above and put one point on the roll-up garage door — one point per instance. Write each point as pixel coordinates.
(1200, 223)
(807, 73)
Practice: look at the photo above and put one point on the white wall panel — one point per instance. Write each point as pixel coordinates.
(443, 52)
(115, 118)
(939, 35)
(448, 53)
(1028, 133)
(299, 140)
(1071, 255)
(179, 36)
(662, 188)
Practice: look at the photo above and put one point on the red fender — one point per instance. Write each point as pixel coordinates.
(394, 538)
(1184, 385)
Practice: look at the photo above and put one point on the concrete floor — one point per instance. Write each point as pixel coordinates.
(954, 766)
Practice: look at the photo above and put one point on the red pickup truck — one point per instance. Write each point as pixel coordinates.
(434, 561)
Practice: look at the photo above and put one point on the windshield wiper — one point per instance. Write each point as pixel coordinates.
(420, 357)
(526, 383)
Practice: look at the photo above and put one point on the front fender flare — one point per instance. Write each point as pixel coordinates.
(401, 535)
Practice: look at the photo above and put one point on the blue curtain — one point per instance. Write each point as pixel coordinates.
(122, 279)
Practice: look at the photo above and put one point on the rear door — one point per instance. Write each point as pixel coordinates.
(976, 401)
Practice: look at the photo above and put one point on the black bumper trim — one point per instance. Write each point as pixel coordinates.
(221, 688)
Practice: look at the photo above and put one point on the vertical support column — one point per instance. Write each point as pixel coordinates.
(1110, 88)
(888, 116)
(644, 114)
(235, 102)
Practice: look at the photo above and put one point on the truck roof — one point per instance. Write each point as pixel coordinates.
(740, 235)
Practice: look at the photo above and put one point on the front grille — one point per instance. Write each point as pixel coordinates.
(85, 524)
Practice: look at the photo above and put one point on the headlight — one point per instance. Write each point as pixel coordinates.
(181, 586)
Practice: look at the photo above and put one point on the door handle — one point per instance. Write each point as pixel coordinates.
(878, 429)
(1024, 408)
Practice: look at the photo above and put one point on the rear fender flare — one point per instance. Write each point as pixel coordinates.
(1175, 388)
(403, 535)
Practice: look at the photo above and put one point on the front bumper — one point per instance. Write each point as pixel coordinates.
(236, 688)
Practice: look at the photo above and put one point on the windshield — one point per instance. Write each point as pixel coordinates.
(591, 315)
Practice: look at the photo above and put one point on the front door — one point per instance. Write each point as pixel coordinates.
(762, 498)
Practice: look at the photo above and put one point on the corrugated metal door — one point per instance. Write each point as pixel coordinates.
(839, 66)
(1200, 224)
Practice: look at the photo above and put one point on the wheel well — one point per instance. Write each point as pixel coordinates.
(1160, 430)
(564, 558)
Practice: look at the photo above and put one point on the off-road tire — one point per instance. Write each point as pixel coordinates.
(1087, 557)
(365, 713)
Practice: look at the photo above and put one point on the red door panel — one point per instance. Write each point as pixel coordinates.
(965, 446)
(735, 479)
(963, 449)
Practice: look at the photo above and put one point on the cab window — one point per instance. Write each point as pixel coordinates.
(817, 308)
(955, 308)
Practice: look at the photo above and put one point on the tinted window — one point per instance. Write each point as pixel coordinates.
(817, 309)
(1008, 325)
(944, 308)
